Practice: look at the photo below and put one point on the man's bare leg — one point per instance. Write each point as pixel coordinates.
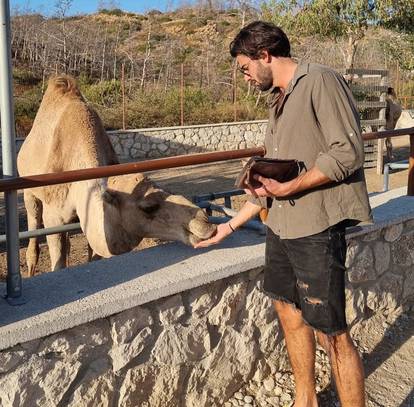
(346, 367)
(300, 343)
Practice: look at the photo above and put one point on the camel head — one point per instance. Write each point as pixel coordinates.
(135, 208)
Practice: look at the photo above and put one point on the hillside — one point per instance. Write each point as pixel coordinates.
(154, 50)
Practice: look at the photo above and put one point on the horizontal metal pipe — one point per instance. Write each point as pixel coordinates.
(34, 181)
(46, 231)
(217, 195)
(388, 133)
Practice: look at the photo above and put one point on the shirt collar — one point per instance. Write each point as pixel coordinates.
(301, 70)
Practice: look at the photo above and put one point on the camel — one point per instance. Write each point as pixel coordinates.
(406, 120)
(115, 213)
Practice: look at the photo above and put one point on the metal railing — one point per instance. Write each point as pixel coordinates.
(10, 185)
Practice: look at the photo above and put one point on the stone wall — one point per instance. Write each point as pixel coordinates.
(170, 141)
(196, 347)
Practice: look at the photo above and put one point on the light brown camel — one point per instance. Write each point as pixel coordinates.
(115, 213)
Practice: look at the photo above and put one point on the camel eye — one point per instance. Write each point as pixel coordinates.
(149, 206)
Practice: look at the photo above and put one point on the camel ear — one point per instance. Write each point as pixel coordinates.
(148, 204)
(111, 197)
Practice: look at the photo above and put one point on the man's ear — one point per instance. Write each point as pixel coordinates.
(111, 197)
(264, 54)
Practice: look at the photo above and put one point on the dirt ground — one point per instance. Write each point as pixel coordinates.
(387, 345)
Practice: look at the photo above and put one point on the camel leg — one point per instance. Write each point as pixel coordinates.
(92, 256)
(58, 243)
(34, 221)
(388, 145)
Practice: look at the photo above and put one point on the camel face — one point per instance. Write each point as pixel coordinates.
(145, 210)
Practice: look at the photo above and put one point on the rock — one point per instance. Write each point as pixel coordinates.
(179, 345)
(382, 255)
(262, 371)
(234, 358)
(170, 309)
(274, 401)
(232, 300)
(125, 325)
(123, 353)
(386, 294)
(285, 397)
(369, 237)
(248, 399)
(269, 384)
(259, 308)
(393, 232)
(77, 342)
(45, 382)
(163, 147)
(96, 387)
(10, 359)
(238, 396)
(201, 300)
(271, 339)
(277, 391)
(362, 268)
(352, 252)
(152, 386)
(403, 251)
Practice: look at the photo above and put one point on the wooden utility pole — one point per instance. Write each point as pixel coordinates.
(123, 96)
(410, 186)
(182, 96)
(235, 92)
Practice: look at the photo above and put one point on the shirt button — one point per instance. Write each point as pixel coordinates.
(351, 134)
(280, 206)
(276, 149)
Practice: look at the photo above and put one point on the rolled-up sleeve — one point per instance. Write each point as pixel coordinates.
(338, 121)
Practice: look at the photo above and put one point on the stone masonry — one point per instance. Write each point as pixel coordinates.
(198, 347)
(170, 141)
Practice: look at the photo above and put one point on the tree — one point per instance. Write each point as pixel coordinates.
(339, 18)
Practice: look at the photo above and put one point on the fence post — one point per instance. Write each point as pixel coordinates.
(14, 280)
(410, 186)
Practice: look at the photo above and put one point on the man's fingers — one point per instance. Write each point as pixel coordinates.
(205, 243)
(262, 191)
(261, 179)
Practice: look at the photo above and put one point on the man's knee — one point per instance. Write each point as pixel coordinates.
(335, 344)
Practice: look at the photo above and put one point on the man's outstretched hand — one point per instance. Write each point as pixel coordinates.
(223, 230)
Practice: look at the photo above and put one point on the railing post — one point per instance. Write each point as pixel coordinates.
(14, 280)
(410, 186)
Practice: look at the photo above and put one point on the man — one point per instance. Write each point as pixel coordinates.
(313, 119)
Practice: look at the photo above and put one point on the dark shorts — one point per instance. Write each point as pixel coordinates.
(309, 272)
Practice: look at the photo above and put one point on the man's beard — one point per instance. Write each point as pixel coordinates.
(264, 79)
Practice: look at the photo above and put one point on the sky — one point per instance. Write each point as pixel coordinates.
(47, 7)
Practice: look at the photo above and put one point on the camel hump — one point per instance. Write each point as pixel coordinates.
(63, 84)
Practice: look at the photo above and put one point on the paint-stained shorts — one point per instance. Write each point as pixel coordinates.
(309, 272)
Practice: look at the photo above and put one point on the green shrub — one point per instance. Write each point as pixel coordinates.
(105, 93)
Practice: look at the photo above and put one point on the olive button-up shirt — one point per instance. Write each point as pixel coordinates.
(316, 121)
